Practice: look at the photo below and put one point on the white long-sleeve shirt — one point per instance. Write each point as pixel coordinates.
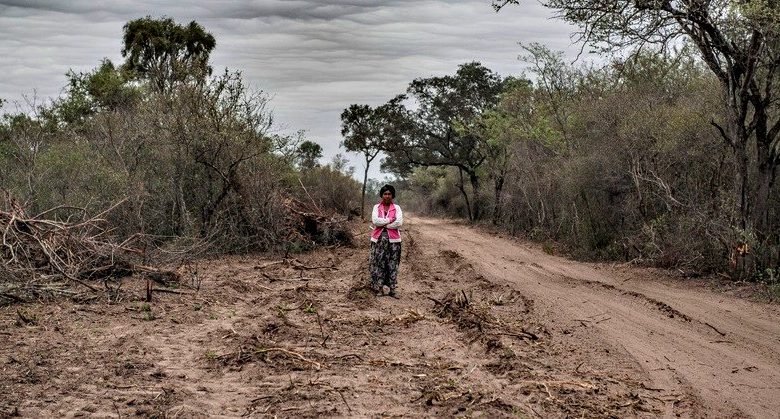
(379, 222)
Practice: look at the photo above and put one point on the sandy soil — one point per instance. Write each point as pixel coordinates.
(485, 327)
(719, 355)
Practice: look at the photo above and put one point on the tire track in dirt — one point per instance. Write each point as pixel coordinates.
(691, 363)
(539, 376)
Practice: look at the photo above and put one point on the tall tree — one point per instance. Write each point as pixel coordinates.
(361, 135)
(740, 44)
(436, 130)
(365, 130)
(165, 52)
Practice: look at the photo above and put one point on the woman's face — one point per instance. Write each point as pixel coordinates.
(387, 197)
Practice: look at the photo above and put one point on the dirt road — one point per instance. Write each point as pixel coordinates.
(721, 351)
(485, 327)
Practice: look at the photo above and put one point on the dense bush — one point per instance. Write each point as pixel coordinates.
(196, 159)
(614, 163)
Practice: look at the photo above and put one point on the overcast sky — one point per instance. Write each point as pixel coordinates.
(314, 57)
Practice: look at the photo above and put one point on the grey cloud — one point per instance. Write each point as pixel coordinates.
(314, 57)
(267, 9)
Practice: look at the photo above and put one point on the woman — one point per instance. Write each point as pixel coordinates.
(385, 242)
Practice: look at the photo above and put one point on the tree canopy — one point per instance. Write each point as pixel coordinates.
(435, 130)
(165, 52)
(369, 130)
(309, 153)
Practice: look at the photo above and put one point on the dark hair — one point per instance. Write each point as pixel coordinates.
(387, 188)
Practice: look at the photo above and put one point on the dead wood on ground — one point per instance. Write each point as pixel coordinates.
(71, 255)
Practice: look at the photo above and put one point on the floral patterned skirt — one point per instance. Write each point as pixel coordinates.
(384, 260)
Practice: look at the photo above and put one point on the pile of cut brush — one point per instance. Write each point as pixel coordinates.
(475, 319)
(310, 223)
(72, 256)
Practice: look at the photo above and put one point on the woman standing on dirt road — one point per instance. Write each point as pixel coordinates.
(385, 242)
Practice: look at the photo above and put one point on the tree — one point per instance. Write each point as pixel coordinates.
(365, 129)
(360, 135)
(308, 154)
(104, 88)
(340, 163)
(165, 52)
(740, 44)
(108, 87)
(556, 85)
(510, 122)
(437, 131)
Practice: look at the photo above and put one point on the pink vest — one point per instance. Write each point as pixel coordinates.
(392, 233)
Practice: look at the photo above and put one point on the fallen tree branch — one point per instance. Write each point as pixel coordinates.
(299, 265)
(523, 334)
(715, 329)
(45, 253)
(273, 279)
(259, 267)
(316, 364)
(171, 291)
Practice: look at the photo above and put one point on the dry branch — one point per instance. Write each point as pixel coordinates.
(316, 364)
(715, 329)
(39, 255)
(310, 224)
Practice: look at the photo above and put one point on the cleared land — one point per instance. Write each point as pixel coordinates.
(485, 326)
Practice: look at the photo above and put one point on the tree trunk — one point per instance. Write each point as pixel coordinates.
(475, 192)
(462, 189)
(754, 174)
(363, 192)
(767, 168)
(498, 190)
(754, 179)
(742, 184)
(178, 204)
(739, 141)
(231, 183)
